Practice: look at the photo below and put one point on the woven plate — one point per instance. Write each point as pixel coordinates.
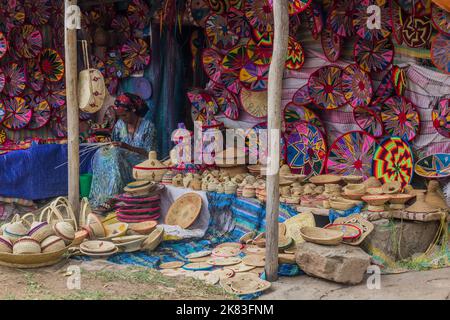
(244, 283)
(199, 254)
(218, 33)
(136, 54)
(439, 52)
(393, 161)
(296, 56)
(325, 87)
(238, 24)
(254, 77)
(211, 60)
(374, 56)
(399, 80)
(397, 19)
(24, 261)
(340, 18)
(368, 121)
(15, 79)
(255, 260)
(37, 12)
(441, 117)
(41, 112)
(301, 96)
(294, 113)
(259, 54)
(18, 113)
(350, 231)
(27, 41)
(259, 15)
(331, 44)
(362, 16)
(254, 103)
(184, 211)
(172, 265)
(357, 220)
(351, 154)
(13, 14)
(115, 66)
(441, 19)
(52, 65)
(400, 118)
(385, 90)
(433, 166)
(58, 122)
(55, 94)
(223, 261)
(417, 31)
(228, 102)
(35, 77)
(356, 86)
(139, 14)
(226, 252)
(313, 16)
(197, 266)
(306, 150)
(97, 246)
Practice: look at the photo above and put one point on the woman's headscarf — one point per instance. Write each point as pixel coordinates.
(131, 101)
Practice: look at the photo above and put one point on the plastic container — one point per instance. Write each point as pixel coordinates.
(85, 185)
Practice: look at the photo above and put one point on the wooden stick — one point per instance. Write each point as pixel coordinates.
(281, 34)
(73, 133)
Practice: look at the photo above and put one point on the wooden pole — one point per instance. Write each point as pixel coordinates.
(73, 129)
(281, 34)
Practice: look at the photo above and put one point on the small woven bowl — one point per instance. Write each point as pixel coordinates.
(145, 227)
(65, 231)
(52, 244)
(96, 225)
(6, 246)
(40, 230)
(26, 245)
(15, 231)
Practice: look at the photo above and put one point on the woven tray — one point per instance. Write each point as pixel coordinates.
(184, 211)
(29, 261)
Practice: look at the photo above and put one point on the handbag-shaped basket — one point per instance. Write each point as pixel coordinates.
(59, 210)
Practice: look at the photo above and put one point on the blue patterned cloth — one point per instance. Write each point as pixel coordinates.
(334, 214)
(112, 167)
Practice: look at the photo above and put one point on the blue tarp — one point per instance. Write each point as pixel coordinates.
(32, 174)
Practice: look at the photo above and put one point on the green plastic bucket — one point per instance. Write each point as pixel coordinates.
(85, 184)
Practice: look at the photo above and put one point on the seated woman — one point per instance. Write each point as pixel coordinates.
(133, 137)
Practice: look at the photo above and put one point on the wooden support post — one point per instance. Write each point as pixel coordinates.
(73, 129)
(281, 34)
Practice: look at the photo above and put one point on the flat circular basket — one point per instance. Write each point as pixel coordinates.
(244, 283)
(325, 87)
(350, 231)
(362, 16)
(15, 79)
(58, 122)
(440, 19)
(375, 55)
(314, 19)
(352, 154)
(184, 211)
(218, 33)
(296, 56)
(228, 102)
(439, 52)
(139, 14)
(135, 54)
(35, 76)
(301, 96)
(294, 113)
(400, 118)
(55, 94)
(399, 80)
(259, 54)
(254, 77)
(29, 261)
(18, 113)
(441, 117)
(260, 16)
(368, 121)
(230, 79)
(238, 24)
(321, 236)
(27, 41)
(331, 44)
(356, 86)
(434, 166)
(397, 21)
(385, 90)
(52, 65)
(417, 31)
(254, 103)
(340, 18)
(41, 113)
(211, 61)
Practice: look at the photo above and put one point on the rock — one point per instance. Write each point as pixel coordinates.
(398, 239)
(343, 263)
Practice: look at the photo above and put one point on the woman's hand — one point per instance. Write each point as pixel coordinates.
(125, 146)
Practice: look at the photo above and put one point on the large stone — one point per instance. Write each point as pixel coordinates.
(342, 263)
(398, 239)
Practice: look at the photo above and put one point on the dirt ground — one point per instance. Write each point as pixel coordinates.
(101, 280)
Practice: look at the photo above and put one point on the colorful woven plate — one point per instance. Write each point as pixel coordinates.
(417, 31)
(313, 17)
(2, 113)
(259, 15)
(15, 79)
(135, 54)
(121, 26)
(296, 57)
(58, 122)
(139, 14)
(3, 136)
(2, 81)
(227, 101)
(441, 117)
(325, 87)
(368, 121)
(35, 77)
(399, 80)
(397, 21)
(385, 90)
(55, 94)
(230, 79)
(52, 65)
(306, 150)
(374, 56)
(13, 13)
(238, 24)
(200, 11)
(294, 113)
(441, 19)
(440, 49)
(301, 96)
(393, 161)
(218, 33)
(340, 18)
(434, 166)
(115, 67)
(3, 45)
(259, 54)
(351, 154)
(400, 118)
(224, 6)
(235, 58)
(204, 107)
(363, 17)
(18, 113)
(356, 86)
(41, 112)
(254, 77)
(331, 44)
(28, 41)
(415, 7)
(254, 103)
(212, 60)
(37, 12)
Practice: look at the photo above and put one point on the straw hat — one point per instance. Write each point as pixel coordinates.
(420, 206)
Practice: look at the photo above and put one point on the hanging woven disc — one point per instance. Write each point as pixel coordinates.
(58, 122)
(301, 96)
(52, 65)
(3, 45)
(18, 113)
(238, 24)
(2, 112)
(393, 161)
(374, 56)
(314, 19)
(254, 103)
(440, 48)
(368, 121)
(417, 31)
(41, 112)
(306, 150)
(441, 117)
(352, 154)
(325, 87)
(331, 44)
(441, 19)
(254, 77)
(227, 101)
(15, 80)
(400, 118)
(28, 41)
(203, 107)
(365, 26)
(219, 34)
(211, 61)
(296, 56)
(13, 14)
(121, 26)
(432, 166)
(259, 54)
(260, 16)
(55, 94)
(230, 79)
(340, 18)
(399, 80)
(115, 67)
(236, 58)
(37, 12)
(397, 18)
(356, 86)
(2, 81)
(385, 90)
(294, 113)
(35, 76)
(136, 55)
(139, 14)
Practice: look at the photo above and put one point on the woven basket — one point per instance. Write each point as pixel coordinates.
(15, 229)
(26, 245)
(325, 179)
(376, 200)
(65, 231)
(52, 244)
(5, 245)
(321, 236)
(59, 210)
(143, 227)
(392, 187)
(40, 230)
(153, 240)
(151, 169)
(25, 261)
(341, 204)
